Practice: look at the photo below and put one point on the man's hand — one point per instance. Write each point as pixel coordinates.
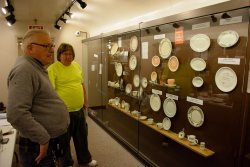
(43, 152)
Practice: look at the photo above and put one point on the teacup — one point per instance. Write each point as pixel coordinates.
(123, 104)
(181, 134)
(192, 139)
(159, 125)
(150, 120)
(126, 107)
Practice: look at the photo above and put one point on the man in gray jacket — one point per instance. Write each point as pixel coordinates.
(34, 107)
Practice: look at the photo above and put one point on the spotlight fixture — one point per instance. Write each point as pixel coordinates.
(63, 20)
(7, 9)
(214, 19)
(82, 4)
(157, 29)
(225, 16)
(10, 19)
(68, 13)
(175, 25)
(57, 26)
(147, 31)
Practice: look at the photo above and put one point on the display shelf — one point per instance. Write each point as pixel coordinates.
(205, 153)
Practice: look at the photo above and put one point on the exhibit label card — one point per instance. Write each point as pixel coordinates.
(233, 61)
(171, 96)
(161, 36)
(144, 47)
(156, 91)
(232, 20)
(194, 100)
(201, 25)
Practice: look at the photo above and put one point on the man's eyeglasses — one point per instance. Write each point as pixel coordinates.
(45, 45)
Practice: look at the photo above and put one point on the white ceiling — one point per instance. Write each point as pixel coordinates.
(100, 15)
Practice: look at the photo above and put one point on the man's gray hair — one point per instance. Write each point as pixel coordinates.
(27, 39)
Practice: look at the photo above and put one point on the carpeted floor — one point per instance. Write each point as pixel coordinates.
(107, 151)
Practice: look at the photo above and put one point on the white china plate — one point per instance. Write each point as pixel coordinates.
(173, 63)
(197, 82)
(166, 123)
(155, 102)
(153, 76)
(114, 49)
(128, 88)
(132, 62)
(144, 82)
(118, 69)
(226, 79)
(156, 61)
(136, 80)
(133, 43)
(200, 42)
(169, 107)
(198, 64)
(228, 38)
(165, 48)
(195, 116)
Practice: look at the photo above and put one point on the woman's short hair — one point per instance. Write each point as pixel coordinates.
(63, 48)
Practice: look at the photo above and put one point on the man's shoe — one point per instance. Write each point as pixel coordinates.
(92, 163)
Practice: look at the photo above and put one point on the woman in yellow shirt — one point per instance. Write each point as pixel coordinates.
(67, 79)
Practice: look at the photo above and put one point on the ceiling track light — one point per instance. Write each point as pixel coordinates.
(147, 31)
(158, 29)
(225, 16)
(57, 26)
(10, 19)
(82, 4)
(214, 19)
(61, 18)
(8, 9)
(175, 25)
(68, 13)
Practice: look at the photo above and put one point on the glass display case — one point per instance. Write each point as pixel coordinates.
(175, 93)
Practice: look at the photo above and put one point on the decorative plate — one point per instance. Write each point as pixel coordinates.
(155, 102)
(136, 80)
(118, 69)
(228, 38)
(133, 43)
(195, 116)
(144, 82)
(173, 63)
(132, 62)
(128, 88)
(197, 82)
(165, 48)
(169, 107)
(198, 64)
(166, 123)
(226, 79)
(153, 76)
(156, 61)
(200, 42)
(114, 49)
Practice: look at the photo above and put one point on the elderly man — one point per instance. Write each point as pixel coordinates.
(34, 107)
